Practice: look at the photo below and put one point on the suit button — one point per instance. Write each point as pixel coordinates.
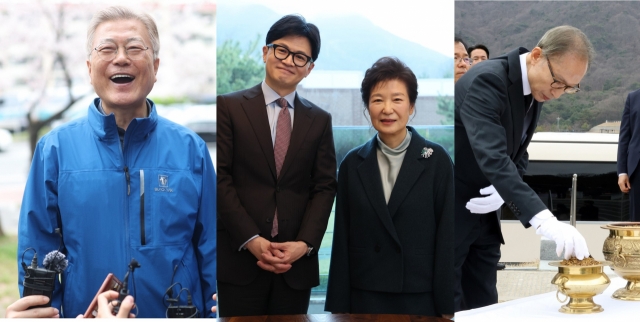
(269, 219)
(377, 248)
(278, 189)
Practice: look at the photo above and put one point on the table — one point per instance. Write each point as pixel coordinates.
(335, 318)
(544, 307)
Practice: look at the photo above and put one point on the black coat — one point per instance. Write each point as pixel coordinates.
(403, 247)
(489, 122)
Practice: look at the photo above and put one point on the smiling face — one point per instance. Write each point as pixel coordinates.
(389, 109)
(568, 69)
(122, 83)
(282, 75)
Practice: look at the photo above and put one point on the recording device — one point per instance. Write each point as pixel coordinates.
(124, 290)
(41, 280)
(174, 310)
(110, 283)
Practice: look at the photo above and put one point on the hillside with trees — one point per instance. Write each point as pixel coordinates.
(612, 27)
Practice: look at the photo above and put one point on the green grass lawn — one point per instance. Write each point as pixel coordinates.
(8, 272)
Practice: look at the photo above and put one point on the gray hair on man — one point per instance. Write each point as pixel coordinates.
(123, 13)
(564, 40)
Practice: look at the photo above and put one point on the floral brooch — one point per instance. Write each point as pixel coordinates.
(426, 152)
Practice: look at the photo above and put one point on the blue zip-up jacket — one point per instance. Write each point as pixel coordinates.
(83, 182)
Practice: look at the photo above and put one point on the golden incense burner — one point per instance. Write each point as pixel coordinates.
(580, 284)
(622, 247)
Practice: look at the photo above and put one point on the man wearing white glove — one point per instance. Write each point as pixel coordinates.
(497, 105)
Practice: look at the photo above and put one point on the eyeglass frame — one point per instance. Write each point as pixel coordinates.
(456, 60)
(289, 52)
(126, 53)
(564, 87)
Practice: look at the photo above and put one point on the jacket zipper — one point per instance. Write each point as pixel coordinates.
(126, 175)
(142, 229)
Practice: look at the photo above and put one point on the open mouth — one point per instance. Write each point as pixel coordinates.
(122, 78)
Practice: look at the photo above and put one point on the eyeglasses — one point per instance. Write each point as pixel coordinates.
(109, 52)
(283, 53)
(464, 59)
(560, 85)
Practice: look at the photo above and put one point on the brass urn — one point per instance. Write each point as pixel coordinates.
(580, 284)
(622, 247)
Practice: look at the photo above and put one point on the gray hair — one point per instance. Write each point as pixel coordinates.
(564, 40)
(123, 13)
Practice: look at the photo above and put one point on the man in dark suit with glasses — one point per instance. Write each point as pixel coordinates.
(276, 182)
(497, 105)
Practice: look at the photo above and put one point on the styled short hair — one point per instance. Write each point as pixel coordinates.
(296, 25)
(478, 46)
(123, 13)
(459, 40)
(564, 40)
(386, 69)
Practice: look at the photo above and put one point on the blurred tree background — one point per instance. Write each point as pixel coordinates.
(612, 27)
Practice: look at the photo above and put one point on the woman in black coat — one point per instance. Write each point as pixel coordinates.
(393, 236)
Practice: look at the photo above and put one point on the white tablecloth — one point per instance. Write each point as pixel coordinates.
(544, 307)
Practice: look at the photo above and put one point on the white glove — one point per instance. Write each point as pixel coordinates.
(484, 205)
(565, 236)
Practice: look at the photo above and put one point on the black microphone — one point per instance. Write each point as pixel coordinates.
(124, 291)
(39, 280)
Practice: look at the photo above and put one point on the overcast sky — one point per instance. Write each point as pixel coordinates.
(429, 23)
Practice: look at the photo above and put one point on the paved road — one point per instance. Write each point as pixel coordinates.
(14, 169)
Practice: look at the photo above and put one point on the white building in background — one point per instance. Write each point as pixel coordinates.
(338, 92)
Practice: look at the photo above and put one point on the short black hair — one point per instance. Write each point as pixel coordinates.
(296, 25)
(386, 69)
(459, 40)
(478, 46)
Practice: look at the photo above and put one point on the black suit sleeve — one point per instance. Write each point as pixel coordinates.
(443, 273)
(480, 113)
(322, 191)
(339, 286)
(234, 217)
(625, 137)
(522, 164)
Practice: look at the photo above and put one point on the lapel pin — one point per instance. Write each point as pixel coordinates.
(426, 152)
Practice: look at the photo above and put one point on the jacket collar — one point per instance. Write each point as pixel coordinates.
(105, 127)
(410, 171)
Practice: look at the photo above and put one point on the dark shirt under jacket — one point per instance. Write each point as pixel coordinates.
(403, 248)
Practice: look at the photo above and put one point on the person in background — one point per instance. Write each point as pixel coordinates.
(461, 61)
(478, 53)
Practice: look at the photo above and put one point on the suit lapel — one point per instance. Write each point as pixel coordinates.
(256, 112)
(369, 173)
(516, 100)
(302, 119)
(409, 172)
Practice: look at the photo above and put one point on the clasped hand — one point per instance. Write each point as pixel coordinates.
(276, 257)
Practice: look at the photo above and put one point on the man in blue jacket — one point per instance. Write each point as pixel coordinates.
(123, 183)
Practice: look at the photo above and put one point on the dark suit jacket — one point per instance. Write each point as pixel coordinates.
(249, 191)
(489, 121)
(405, 246)
(629, 139)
